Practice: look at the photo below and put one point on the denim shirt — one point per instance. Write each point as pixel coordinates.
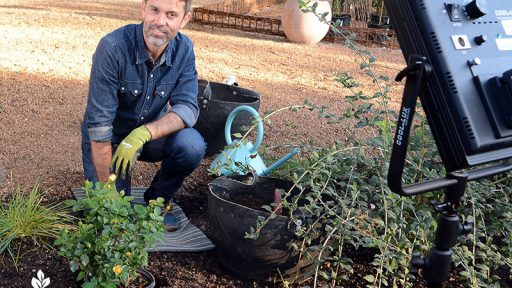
(126, 91)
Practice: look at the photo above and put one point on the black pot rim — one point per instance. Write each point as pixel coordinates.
(144, 273)
(149, 276)
(267, 214)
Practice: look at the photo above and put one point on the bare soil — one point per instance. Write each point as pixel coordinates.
(45, 59)
(250, 201)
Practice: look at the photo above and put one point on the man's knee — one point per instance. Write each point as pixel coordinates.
(189, 146)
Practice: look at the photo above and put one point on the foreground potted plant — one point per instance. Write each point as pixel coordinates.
(234, 203)
(108, 248)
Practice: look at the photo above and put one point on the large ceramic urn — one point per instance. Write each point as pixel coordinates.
(305, 27)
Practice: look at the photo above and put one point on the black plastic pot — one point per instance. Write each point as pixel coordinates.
(216, 101)
(384, 22)
(344, 19)
(249, 258)
(149, 277)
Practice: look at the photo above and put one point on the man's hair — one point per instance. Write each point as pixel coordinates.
(188, 5)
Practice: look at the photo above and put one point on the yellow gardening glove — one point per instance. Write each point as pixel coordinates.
(128, 151)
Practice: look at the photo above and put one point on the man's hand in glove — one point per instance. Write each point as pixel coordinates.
(128, 150)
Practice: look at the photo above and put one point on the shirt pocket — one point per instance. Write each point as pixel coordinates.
(130, 89)
(164, 90)
(129, 94)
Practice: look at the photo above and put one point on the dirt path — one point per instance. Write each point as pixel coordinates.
(45, 58)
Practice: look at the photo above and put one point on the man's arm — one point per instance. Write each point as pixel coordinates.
(165, 126)
(102, 104)
(101, 157)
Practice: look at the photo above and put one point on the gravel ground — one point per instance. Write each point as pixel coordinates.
(45, 59)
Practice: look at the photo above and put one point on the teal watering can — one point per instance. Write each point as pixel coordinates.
(239, 157)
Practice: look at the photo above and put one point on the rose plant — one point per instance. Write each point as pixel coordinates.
(111, 239)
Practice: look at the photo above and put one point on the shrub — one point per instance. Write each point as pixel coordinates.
(345, 187)
(24, 217)
(109, 244)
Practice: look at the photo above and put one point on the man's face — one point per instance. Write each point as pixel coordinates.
(162, 20)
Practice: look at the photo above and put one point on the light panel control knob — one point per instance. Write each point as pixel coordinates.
(476, 9)
(480, 39)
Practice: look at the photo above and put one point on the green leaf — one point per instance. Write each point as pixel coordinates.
(139, 209)
(394, 264)
(84, 259)
(267, 208)
(237, 135)
(369, 73)
(58, 242)
(73, 265)
(364, 65)
(324, 275)
(384, 78)
(369, 278)
(157, 211)
(70, 202)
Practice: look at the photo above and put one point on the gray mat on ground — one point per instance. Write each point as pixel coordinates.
(188, 238)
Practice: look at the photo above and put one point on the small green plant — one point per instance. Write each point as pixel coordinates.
(23, 217)
(110, 242)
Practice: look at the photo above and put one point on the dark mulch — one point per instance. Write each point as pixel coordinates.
(177, 269)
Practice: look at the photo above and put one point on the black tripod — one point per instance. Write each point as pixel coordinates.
(435, 267)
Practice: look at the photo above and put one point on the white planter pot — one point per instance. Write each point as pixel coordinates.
(305, 27)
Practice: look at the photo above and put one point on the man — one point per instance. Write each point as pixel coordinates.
(143, 100)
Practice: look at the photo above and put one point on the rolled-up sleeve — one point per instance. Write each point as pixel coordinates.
(102, 100)
(184, 96)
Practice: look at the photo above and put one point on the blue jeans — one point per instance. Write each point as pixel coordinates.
(180, 153)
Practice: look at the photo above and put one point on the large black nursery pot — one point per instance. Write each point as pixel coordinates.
(379, 22)
(229, 221)
(216, 101)
(344, 19)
